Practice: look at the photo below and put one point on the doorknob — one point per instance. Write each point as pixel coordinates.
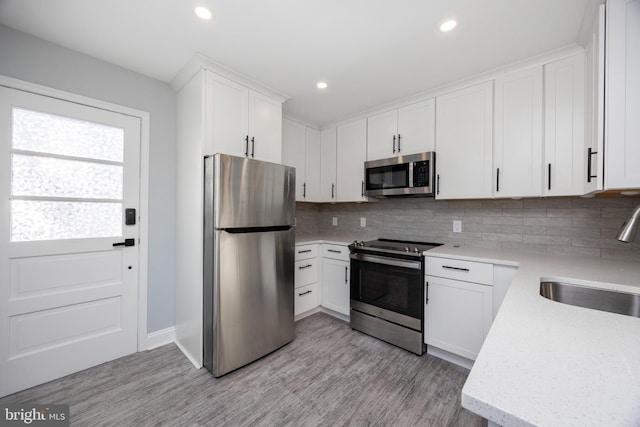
(127, 242)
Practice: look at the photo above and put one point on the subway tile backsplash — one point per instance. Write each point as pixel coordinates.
(572, 226)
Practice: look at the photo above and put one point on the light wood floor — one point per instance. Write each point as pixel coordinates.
(329, 375)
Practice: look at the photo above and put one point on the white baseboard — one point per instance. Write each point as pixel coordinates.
(161, 337)
(307, 313)
(343, 317)
(188, 355)
(450, 357)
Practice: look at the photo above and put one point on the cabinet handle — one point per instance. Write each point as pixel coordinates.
(589, 154)
(362, 188)
(398, 143)
(333, 187)
(253, 145)
(346, 278)
(438, 184)
(334, 251)
(302, 267)
(304, 293)
(394, 144)
(455, 268)
(497, 180)
(426, 298)
(304, 251)
(304, 190)
(549, 177)
(246, 146)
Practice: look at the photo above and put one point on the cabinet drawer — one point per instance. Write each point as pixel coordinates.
(306, 272)
(306, 298)
(306, 251)
(469, 271)
(335, 252)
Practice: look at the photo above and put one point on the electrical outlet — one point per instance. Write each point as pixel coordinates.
(334, 221)
(363, 221)
(457, 226)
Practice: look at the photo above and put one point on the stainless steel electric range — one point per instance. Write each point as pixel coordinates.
(387, 291)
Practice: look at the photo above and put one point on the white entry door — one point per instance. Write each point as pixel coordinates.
(68, 292)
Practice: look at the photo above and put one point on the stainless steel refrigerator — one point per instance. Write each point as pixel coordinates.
(249, 214)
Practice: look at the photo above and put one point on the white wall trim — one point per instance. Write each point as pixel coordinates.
(193, 361)
(143, 284)
(162, 337)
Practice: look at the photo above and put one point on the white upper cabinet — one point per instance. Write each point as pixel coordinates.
(313, 166)
(265, 127)
(301, 149)
(351, 155)
(401, 132)
(328, 161)
(517, 153)
(622, 125)
(464, 142)
(294, 153)
(240, 121)
(565, 151)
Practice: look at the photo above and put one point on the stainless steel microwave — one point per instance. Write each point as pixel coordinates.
(409, 176)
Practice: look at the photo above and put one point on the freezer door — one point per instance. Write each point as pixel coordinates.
(251, 306)
(243, 192)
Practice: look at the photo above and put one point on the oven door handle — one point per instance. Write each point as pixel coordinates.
(415, 265)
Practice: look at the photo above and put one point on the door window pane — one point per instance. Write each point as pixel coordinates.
(52, 177)
(49, 220)
(48, 133)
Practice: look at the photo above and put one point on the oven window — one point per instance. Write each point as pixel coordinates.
(393, 288)
(392, 176)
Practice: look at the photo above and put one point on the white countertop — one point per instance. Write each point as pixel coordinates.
(544, 363)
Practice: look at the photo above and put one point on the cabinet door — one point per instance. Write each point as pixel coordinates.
(458, 315)
(518, 134)
(382, 135)
(351, 154)
(265, 127)
(335, 285)
(226, 120)
(294, 153)
(464, 142)
(328, 147)
(313, 166)
(623, 95)
(565, 150)
(417, 128)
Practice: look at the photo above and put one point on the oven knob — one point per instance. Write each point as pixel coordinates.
(362, 243)
(406, 248)
(355, 243)
(416, 250)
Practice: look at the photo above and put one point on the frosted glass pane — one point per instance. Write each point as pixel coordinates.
(47, 220)
(48, 133)
(50, 177)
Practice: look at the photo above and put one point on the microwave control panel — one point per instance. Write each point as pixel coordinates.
(421, 173)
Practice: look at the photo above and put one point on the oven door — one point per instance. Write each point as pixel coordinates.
(389, 288)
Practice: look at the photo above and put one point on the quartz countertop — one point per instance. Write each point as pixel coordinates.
(545, 363)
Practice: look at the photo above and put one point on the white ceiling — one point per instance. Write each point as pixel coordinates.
(370, 52)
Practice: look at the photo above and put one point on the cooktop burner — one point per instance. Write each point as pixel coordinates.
(393, 246)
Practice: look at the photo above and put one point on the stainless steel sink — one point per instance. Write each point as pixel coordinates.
(595, 298)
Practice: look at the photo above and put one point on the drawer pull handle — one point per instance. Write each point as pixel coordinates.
(455, 268)
(334, 251)
(304, 266)
(304, 251)
(304, 293)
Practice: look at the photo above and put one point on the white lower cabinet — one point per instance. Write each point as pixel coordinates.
(459, 305)
(335, 278)
(307, 294)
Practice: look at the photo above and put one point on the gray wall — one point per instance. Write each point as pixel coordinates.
(34, 60)
(573, 226)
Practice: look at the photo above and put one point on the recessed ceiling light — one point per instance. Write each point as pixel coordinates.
(203, 13)
(448, 25)
(321, 85)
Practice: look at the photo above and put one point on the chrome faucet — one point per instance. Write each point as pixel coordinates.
(628, 230)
